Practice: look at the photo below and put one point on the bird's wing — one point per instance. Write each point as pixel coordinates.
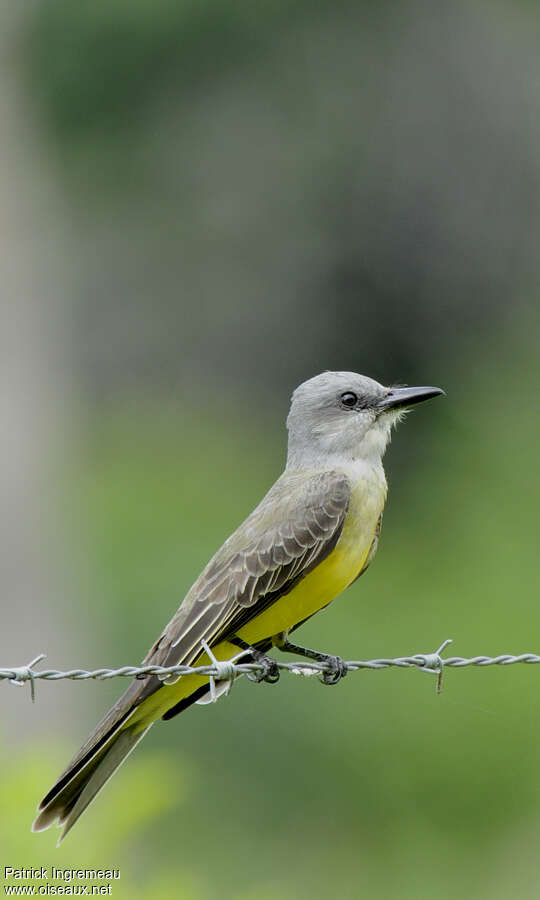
(293, 529)
(296, 525)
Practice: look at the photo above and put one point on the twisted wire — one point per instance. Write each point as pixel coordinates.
(229, 670)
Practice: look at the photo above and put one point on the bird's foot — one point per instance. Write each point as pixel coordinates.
(269, 672)
(336, 668)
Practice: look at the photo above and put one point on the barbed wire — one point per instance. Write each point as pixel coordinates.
(228, 670)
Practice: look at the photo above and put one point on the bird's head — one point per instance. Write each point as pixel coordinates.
(346, 415)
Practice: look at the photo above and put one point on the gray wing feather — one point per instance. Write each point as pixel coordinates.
(293, 528)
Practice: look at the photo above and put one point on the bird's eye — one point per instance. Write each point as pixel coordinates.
(349, 400)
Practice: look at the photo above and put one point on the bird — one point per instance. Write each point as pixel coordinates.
(312, 535)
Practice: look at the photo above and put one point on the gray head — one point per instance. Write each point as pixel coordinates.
(346, 415)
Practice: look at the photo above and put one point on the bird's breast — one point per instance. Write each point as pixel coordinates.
(337, 571)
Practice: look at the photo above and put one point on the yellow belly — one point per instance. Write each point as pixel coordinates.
(316, 590)
(311, 594)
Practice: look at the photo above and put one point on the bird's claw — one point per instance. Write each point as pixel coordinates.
(335, 671)
(269, 671)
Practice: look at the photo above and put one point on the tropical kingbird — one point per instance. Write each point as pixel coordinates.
(310, 537)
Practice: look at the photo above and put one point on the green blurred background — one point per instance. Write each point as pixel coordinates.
(202, 205)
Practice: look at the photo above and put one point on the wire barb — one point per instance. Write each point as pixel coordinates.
(19, 674)
(225, 670)
(432, 662)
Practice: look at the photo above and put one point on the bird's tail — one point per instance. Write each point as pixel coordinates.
(110, 743)
(104, 751)
(75, 790)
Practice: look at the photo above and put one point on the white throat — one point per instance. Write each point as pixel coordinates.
(330, 450)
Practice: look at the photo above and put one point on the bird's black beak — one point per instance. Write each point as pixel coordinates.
(402, 397)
